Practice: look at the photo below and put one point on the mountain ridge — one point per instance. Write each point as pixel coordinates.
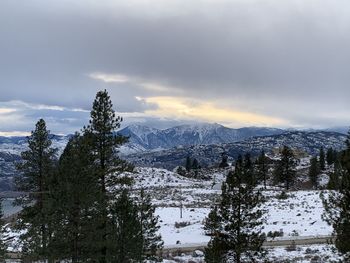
(143, 138)
(171, 146)
(208, 155)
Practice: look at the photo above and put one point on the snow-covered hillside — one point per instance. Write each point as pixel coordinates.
(297, 216)
(182, 205)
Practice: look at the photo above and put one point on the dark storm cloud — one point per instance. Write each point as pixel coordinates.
(287, 59)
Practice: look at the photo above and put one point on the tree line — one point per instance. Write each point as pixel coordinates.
(78, 207)
(235, 222)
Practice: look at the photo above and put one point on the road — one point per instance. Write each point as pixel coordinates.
(299, 241)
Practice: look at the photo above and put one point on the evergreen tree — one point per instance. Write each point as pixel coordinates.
(337, 207)
(181, 171)
(322, 159)
(195, 166)
(285, 170)
(125, 241)
(188, 164)
(152, 241)
(3, 246)
(262, 168)
(75, 194)
(238, 235)
(346, 154)
(212, 222)
(314, 171)
(336, 175)
(334, 181)
(224, 161)
(248, 170)
(36, 172)
(330, 156)
(215, 251)
(105, 143)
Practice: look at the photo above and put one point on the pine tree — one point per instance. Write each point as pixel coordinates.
(262, 168)
(336, 175)
(334, 181)
(181, 170)
(152, 241)
(346, 155)
(36, 172)
(105, 144)
(125, 242)
(188, 164)
(248, 171)
(215, 251)
(314, 171)
(285, 170)
(3, 246)
(239, 234)
(322, 159)
(195, 166)
(224, 161)
(75, 193)
(337, 206)
(330, 156)
(212, 222)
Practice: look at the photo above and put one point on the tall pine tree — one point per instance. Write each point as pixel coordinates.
(36, 172)
(330, 156)
(151, 240)
(224, 160)
(262, 168)
(195, 167)
(105, 143)
(125, 242)
(285, 169)
(322, 159)
(249, 175)
(188, 164)
(314, 171)
(75, 194)
(237, 222)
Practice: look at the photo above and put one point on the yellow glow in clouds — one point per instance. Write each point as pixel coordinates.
(182, 108)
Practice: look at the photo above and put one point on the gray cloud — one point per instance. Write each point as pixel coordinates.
(286, 59)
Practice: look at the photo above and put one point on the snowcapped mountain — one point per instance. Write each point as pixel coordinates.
(143, 138)
(168, 148)
(208, 155)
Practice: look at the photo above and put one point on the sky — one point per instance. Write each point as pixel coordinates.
(234, 62)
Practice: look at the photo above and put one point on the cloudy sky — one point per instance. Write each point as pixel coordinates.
(235, 62)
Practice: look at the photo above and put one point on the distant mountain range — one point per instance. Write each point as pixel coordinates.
(143, 138)
(167, 148)
(208, 155)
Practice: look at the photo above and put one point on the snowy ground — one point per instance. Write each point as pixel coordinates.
(174, 230)
(297, 216)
